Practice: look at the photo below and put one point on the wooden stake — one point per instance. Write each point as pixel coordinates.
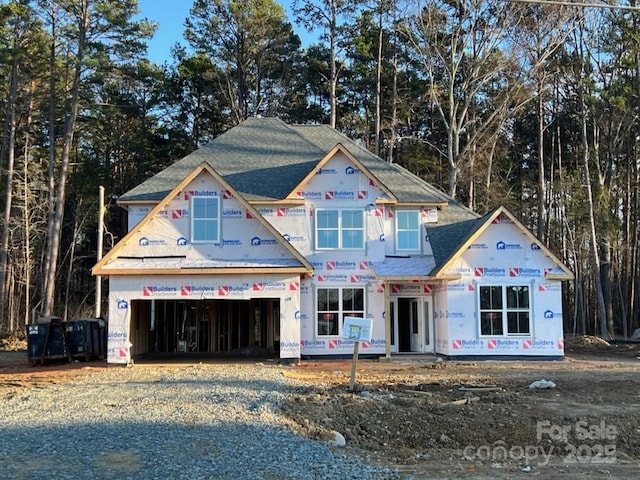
(356, 348)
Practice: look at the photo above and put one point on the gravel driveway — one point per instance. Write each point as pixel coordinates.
(176, 422)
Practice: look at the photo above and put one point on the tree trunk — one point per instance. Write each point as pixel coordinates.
(542, 184)
(333, 32)
(379, 85)
(72, 259)
(46, 254)
(602, 313)
(54, 232)
(26, 248)
(11, 145)
(394, 100)
(605, 276)
(487, 178)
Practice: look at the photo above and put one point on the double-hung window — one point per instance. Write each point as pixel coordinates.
(205, 219)
(339, 229)
(407, 230)
(504, 310)
(333, 304)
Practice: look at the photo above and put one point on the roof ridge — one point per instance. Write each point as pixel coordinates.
(364, 150)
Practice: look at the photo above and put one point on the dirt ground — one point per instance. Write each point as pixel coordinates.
(457, 420)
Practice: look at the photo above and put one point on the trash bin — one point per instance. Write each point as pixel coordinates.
(86, 338)
(46, 340)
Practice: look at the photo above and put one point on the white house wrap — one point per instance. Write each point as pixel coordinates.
(270, 235)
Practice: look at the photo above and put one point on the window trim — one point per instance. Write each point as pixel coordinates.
(341, 229)
(416, 230)
(218, 219)
(504, 311)
(341, 311)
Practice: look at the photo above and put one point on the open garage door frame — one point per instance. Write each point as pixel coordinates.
(205, 326)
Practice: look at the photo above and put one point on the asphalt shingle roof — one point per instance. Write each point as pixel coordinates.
(260, 158)
(405, 266)
(406, 186)
(265, 159)
(455, 226)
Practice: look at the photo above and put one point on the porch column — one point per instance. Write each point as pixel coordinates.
(387, 322)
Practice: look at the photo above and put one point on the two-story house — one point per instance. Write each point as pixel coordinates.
(272, 233)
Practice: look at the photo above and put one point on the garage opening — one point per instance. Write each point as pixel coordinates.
(205, 326)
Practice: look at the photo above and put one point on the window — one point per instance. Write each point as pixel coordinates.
(339, 229)
(491, 311)
(333, 304)
(504, 309)
(518, 310)
(408, 230)
(205, 219)
(327, 228)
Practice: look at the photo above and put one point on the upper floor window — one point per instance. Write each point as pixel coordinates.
(339, 229)
(205, 219)
(504, 310)
(408, 230)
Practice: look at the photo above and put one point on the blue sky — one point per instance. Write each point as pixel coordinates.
(170, 15)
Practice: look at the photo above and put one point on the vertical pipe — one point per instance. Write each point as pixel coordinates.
(99, 254)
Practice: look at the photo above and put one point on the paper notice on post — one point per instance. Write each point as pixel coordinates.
(357, 329)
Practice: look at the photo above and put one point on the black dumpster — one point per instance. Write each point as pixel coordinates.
(86, 338)
(46, 340)
(51, 339)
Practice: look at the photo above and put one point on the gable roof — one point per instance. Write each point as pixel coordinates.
(339, 148)
(450, 240)
(264, 159)
(111, 264)
(407, 187)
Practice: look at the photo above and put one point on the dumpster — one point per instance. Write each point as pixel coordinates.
(86, 338)
(46, 340)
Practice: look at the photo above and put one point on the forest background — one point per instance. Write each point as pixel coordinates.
(534, 105)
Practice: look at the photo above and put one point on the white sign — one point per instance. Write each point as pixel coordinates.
(357, 329)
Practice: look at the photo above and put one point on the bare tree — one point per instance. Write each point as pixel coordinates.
(582, 78)
(20, 32)
(544, 28)
(473, 70)
(10, 151)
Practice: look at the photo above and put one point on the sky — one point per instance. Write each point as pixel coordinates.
(170, 15)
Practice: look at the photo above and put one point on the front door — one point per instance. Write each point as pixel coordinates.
(411, 325)
(405, 325)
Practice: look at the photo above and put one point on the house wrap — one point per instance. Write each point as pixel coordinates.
(271, 234)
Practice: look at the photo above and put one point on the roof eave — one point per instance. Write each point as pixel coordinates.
(202, 271)
(295, 202)
(421, 204)
(421, 278)
(125, 203)
(560, 276)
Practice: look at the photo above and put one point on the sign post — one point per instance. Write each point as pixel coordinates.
(354, 363)
(359, 330)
